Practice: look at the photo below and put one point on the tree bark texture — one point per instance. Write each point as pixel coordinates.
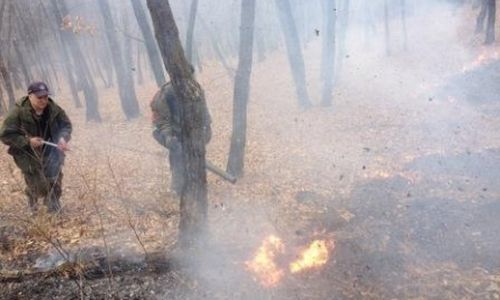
(193, 206)
(241, 93)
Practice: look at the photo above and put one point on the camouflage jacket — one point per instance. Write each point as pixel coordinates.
(20, 125)
(166, 112)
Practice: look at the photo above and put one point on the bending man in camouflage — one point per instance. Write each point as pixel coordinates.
(165, 107)
(36, 119)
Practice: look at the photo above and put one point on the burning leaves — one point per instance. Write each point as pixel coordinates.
(266, 265)
(314, 256)
(486, 56)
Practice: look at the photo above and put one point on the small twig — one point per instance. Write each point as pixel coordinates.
(101, 226)
(127, 210)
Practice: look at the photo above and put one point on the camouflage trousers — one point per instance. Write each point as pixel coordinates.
(44, 179)
(50, 188)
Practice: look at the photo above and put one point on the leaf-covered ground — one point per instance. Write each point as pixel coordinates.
(401, 173)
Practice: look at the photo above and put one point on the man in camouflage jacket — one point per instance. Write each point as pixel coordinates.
(33, 120)
(165, 108)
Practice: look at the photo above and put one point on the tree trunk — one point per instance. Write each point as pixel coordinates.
(386, 27)
(83, 72)
(31, 47)
(22, 62)
(490, 25)
(294, 51)
(3, 106)
(151, 46)
(328, 55)
(236, 159)
(481, 16)
(126, 88)
(190, 30)
(49, 54)
(193, 206)
(140, 76)
(7, 81)
(403, 21)
(68, 68)
(215, 42)
(342, 32)
(130, 66)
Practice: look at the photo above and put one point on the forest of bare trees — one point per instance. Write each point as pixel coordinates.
(282, 81)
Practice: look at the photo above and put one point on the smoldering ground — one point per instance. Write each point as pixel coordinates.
(399, 175)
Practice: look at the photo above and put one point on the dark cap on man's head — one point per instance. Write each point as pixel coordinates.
(38, 88)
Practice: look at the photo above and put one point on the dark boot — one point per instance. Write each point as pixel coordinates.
(53, 204)
(32, 200)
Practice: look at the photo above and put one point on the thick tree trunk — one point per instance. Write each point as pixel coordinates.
(190, 30)
(328, 55)
(126, 89)
(490, 24)
(151, 46)
(83, 72)
(193, 219)
(294, 51)
(236, 159)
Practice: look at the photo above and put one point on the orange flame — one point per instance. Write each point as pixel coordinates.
(315, 255)
(263, 264)
(483, 58)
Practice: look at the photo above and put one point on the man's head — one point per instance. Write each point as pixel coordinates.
(38, 93)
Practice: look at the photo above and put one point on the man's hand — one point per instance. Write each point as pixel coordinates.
(62, 145)
(36, 142)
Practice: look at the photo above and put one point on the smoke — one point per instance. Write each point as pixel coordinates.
(399, 173)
